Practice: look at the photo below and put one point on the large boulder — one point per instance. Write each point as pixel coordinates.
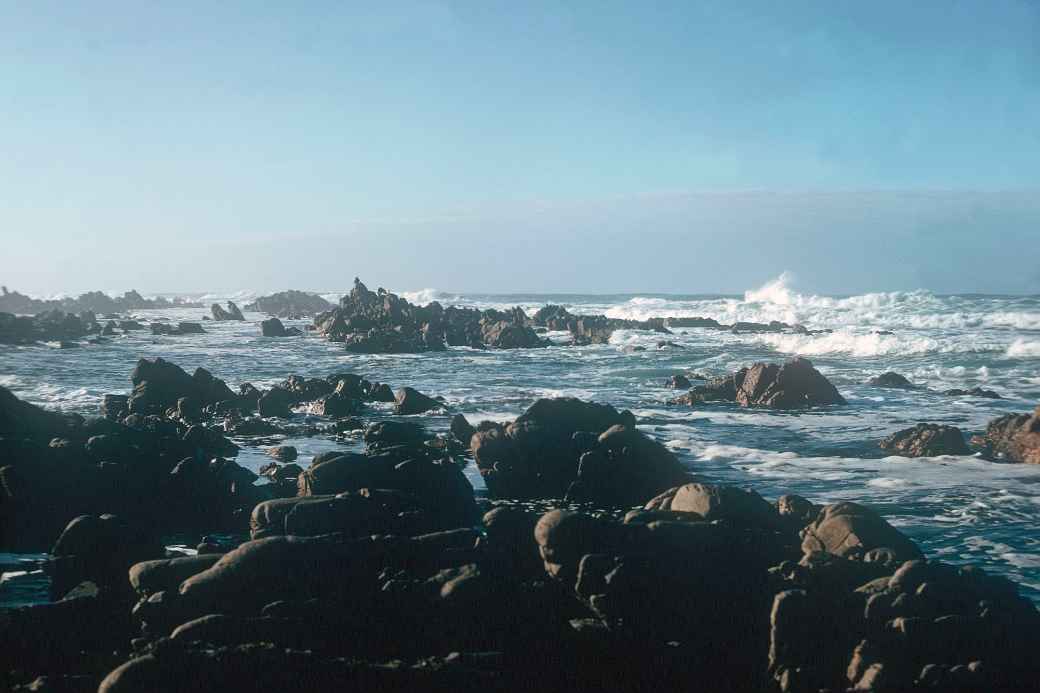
(794, 384)
(1015, 437)
(273, 327)
(926, 440)
(411, 401)
(624, 468)
(851, 530)
(159, 384)
(582, 450)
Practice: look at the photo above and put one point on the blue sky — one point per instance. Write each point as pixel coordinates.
(455, 144)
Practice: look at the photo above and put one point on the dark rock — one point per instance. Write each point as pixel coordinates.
(679, 382)
(624, 468)
(274, 328)
(540, 455)
(387, 433)
(792, 385)
(891, 379)
(149, 577)
(283, 453)
(290, 304)
(710, 323)
(275, 402)
(232, 312)
(381, 392)
(1014, 437)
(973, 392)
(927, 440)
(410, 401)
(462, 429)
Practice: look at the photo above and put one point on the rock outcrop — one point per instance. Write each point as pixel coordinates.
(581, 450)
(792, 385)
(273, 327)
(382, 322)
(1014, 437)
(927, 440)
(232, 312)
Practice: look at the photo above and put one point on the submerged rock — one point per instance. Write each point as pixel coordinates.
(973, 392)
(893, 380)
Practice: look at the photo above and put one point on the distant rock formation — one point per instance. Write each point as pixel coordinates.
(94, 301)
(290, 304)
(53, 325)
(381, 322)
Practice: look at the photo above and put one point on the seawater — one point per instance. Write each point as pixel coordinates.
(959, 509)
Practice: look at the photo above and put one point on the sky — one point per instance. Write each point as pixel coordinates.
(529, 147)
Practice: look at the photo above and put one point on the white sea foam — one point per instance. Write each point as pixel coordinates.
(424, 297)
(1024, 349)
(777, 300)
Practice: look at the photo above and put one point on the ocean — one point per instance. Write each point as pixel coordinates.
(958, 509)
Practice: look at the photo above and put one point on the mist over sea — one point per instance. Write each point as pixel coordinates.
(959, 509)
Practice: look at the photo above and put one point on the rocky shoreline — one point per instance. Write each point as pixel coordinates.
(596, 562)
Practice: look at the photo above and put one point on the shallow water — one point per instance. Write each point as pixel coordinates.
(961, 509)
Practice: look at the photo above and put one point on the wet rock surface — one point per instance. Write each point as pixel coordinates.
(1014, 438)
(791, 385)
(927, 440)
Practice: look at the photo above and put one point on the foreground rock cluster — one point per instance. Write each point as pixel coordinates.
(703, 588)
(597, 564)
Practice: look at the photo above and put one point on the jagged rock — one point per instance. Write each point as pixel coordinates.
(462, 429)
(232, 312)
(927, 440)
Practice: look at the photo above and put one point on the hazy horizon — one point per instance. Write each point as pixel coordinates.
(591, 148)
